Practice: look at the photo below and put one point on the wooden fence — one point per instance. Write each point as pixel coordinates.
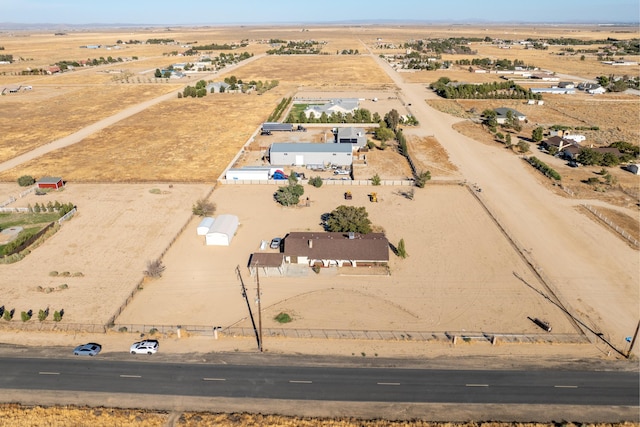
(613, 226)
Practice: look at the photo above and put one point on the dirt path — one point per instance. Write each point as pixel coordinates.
(78, 136)
(594, 273)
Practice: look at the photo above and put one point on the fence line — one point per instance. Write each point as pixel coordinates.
(25, 192)
(328, 182)
(7, 202)
(613, 226)
(67, 215)
(14, 210)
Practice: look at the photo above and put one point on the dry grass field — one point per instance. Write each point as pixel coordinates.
(18, 416)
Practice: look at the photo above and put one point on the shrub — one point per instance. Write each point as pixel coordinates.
(8, 315)
(25, 316)
(155, 191)
(57, 316)
(422, 178)
(153, 331)
(154, 268)
(78, 274)
(375, 179)
(63, 286)
(316, 181)
(53, 273)
(544, 168)
(282, 318)
(65, 274)
(401, 250)
(203, 207)
(42, 314)
(122, 329)
(26, 180)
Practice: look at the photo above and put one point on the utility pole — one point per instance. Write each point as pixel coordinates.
(633, 340)
(259, 308)
(246, 298)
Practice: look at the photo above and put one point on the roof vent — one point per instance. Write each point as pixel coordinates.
(310, 243)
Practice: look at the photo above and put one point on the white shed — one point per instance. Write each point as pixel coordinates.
(204, 226)
(222, 232)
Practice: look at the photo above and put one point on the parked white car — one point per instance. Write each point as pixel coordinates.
(145, 347)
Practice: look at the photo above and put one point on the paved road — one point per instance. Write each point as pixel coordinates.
(327, 383)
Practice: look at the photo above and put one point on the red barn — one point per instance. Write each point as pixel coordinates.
(50, 182)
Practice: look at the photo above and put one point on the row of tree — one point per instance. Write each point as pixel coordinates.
(493, 90)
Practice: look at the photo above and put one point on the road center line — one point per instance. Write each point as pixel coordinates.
(565, 386)
(388, 383)
(213, 379)
(476, 385)
(300, 382)
(130, 376)
(49, 373)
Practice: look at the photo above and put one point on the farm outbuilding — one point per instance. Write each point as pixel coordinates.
(50, 182)
(222, 232)
(249, 174)
(299, 154)
(204, 226)
(277, 127)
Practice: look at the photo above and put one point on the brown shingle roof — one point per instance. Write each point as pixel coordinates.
(266, 259)
(337, 246)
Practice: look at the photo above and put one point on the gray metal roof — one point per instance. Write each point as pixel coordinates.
(309, 147)
(350, 132)
(49, 180)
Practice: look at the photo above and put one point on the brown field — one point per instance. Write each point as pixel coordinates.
(19, 416)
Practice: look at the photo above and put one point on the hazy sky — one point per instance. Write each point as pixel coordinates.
(297, 11)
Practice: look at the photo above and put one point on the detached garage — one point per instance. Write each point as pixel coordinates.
(204, 226)
(50, 182)
(222, 232)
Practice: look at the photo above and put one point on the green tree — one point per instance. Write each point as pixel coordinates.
(392, 118)
(603, 81)
(158, 73)
(422, 178)
(538, 134)
(490, 118)
(316, 181)
(375, 179)
(384, 134)
(401, 251)
(523, 146)
(349, 219)
(610, 159)
(589, 156)
(507, 141)
(290, 194)
(26, 180)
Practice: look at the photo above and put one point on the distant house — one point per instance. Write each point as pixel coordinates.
(567, 85)
(217, 87)
(557, 142)
(571, 152)
(340, 105)
(336, 249)
(501, 115)
(53, 70)
(350, 135)
(50, 182)
(310, 154)
(592, 88)
(553, 90)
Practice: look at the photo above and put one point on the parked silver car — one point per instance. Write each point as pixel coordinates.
(89, 349)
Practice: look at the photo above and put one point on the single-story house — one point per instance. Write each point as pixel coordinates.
(501, 115)
(354, 136)
(592, 88)
(567, 85)
(266, 264)
(339, 105)
(558, 142)
(217, 87)
(204, 226)
(222, 231)
(52, 182)
(307, 153)
(571, 152)
(336, 249)
(634, 169)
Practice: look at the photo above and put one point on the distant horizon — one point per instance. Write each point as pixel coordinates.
(126, 13)
(46, 25)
